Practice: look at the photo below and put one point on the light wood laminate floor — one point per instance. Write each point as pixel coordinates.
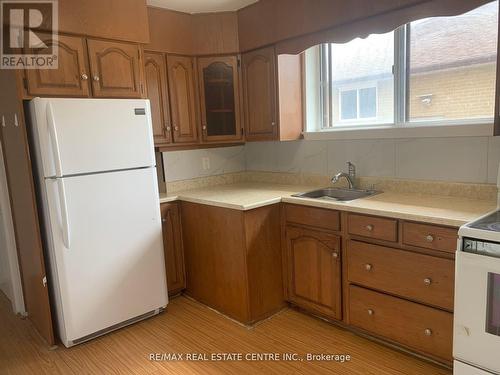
(189, 327)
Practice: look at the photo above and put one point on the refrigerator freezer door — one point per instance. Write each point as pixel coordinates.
(106, 249)
(80, 136)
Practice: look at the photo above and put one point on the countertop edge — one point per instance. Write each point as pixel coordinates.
(341, 206)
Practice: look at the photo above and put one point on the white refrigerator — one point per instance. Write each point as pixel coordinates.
(101, 224)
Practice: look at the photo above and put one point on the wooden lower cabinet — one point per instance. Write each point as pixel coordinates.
(421, 328)
(379, 275)
(174, 251)
(313, 270)
(430, 237)
(419, 277)
(233, 259)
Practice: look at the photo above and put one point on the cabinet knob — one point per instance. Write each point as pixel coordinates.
(96, 78)
(273, 123)
(204, 127)
(427, 281)
(368, 267)
(370, 312)
(369, 227)
(335, 255)
(163, 220)
(176, 128)
(428, 332)
(84, 77)
(429, 238)
(167, 128)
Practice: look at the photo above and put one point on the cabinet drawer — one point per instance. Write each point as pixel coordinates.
(422, 328)
(314, 217)
(373, 227)
(430, 237)
(422, 278)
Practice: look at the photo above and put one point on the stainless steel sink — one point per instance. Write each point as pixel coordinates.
(336, 194)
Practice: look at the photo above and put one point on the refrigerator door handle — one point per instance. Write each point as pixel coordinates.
(64, 213)
(55, 141)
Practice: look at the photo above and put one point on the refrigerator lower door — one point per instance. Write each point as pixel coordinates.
(106, 250)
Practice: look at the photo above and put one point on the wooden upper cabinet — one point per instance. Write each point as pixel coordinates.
(174, 250)
(259, 95)
(71, 78)
(115, 69)
(220, 99)
(155, 73)
(313, 262)
(183, 98)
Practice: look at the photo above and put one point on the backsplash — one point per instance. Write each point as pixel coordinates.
(461, 159)
(465, 159)
(185, 165)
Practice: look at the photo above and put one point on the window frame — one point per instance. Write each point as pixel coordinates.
(401, 127)
(358, 119)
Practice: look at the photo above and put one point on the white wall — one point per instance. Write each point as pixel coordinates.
(461, 159)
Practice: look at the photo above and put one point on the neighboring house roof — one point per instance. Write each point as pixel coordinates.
(434, 44)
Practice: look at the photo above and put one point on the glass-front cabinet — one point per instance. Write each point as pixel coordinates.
(220, 99)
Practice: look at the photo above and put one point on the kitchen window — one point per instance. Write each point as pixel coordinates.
(431, 72)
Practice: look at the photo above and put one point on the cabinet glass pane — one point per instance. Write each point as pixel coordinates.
(493, 310)
(219, 99)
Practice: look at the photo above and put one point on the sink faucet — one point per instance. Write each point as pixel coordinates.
(350, 177)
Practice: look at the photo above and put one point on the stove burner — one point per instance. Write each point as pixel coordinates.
(493, 226)
(491, 223)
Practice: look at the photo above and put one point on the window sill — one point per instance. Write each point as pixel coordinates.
(390, 132)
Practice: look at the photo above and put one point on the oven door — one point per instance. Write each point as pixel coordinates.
(477, 311)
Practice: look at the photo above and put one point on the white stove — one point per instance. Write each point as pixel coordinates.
(476, 335)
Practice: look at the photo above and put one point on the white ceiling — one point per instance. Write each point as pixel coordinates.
(201, 6)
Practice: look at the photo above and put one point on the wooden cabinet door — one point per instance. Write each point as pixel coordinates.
(220, 99)
(14, 142)
(313, 262)
(155, 73)
(174, 251)
(183, 99)
(71, 78)
(259, 95)
(115, 69)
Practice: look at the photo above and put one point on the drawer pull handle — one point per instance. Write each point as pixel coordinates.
(429, 238)
(370, 312)
(369, 227)
(428, 332)
(368, 267)
(84, 77)
(427, 281)
(335, 255)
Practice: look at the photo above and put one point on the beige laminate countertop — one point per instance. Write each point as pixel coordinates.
(452, 211)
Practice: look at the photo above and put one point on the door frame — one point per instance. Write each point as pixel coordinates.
(18, 306)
